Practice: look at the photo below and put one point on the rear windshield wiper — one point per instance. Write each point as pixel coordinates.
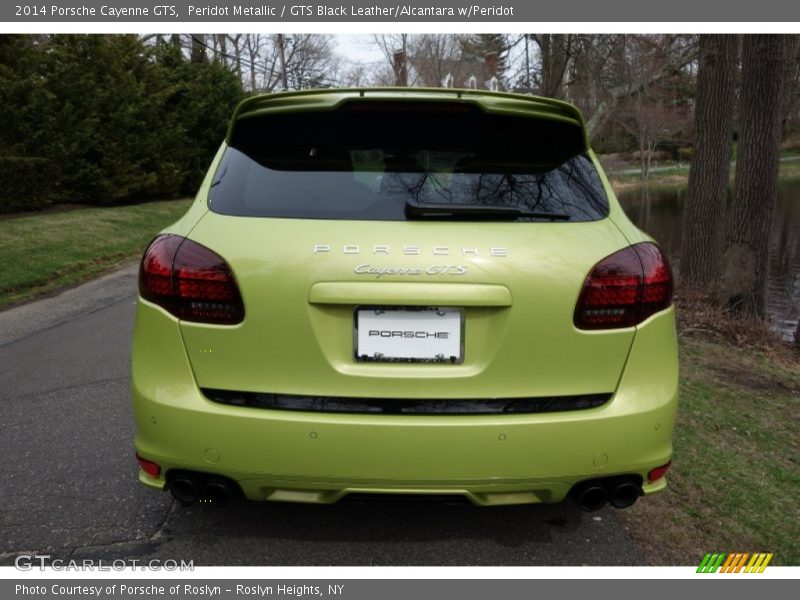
(218, 180)
(421, 210)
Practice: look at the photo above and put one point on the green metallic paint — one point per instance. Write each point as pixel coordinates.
(529, 348)
(536, 458)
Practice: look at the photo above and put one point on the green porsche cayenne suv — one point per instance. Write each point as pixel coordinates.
(405, 291)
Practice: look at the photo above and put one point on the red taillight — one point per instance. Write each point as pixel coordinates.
(148, 466)
(190, 281)
(625, 288)
(658, 472)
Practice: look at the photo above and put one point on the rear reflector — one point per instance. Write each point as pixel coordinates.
(658, 472)
(149, 467)
(190, 281)
(625, 288)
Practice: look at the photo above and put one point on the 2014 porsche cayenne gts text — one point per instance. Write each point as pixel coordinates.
(405, 291)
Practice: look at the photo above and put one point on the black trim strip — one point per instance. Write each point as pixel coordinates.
(406, 406)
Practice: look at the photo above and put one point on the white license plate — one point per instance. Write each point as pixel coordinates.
(413, 335)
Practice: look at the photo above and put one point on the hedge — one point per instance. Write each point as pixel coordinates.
(26, 183)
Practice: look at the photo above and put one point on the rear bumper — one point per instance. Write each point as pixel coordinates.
(320, 457)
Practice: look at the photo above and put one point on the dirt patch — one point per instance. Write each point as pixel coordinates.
(752, 379)
(697, 314)
(747, 352)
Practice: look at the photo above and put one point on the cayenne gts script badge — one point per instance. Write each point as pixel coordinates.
(368, 269)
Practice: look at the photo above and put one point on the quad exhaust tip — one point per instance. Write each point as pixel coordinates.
(620, 492)
(188, 487)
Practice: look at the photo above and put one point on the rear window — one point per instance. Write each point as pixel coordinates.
(368, 161)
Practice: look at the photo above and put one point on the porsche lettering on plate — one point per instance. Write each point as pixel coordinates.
(423, 335)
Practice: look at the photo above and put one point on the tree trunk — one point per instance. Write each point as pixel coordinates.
(745, 260)
(223, 48)
(703, 231)
(643, 155)
(282, 56)
(237, 51)
(527, 63)
(252, 42)
(198, 48)
(651, 149)
(790, 81)
(400, 63)
(554, 51)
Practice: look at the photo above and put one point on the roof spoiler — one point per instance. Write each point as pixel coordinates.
(331, 99)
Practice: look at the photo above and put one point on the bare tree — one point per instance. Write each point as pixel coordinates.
(677, 52)
(555, 52)
(238, 46)
(651, 112)
(310, 61)
(703, 231)
(743, 282)
(650, 122)
(442, 60)
(598, 73)
(253, 43)
(355, 75)
(394, 48)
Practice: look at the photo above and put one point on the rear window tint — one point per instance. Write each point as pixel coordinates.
(367, 162)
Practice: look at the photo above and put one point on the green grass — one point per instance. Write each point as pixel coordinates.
(678, 174)
(736, 468)
(790, 170)
(43, 252)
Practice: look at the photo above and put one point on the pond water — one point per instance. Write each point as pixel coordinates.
(659, 213)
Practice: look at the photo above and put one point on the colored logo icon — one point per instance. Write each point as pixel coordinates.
(734, 562)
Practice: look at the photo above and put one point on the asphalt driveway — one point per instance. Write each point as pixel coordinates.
(68, 476)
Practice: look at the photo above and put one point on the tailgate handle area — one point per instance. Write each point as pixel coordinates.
(401, 294)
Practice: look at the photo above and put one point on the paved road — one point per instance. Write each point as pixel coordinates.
(68, 477)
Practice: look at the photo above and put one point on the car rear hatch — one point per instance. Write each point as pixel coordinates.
(347, 218)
